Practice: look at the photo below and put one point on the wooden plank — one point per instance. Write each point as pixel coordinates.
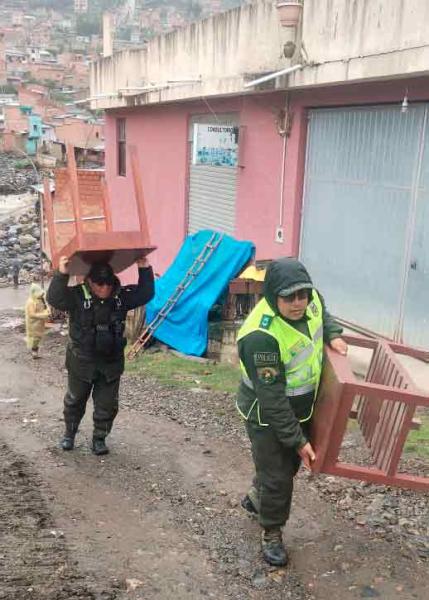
(138, 191)
(375, 390)
(106, 205)
(374, 475)
(399, 443)
(415, 423)
(119, 248)
(49, 212)
(74, 189)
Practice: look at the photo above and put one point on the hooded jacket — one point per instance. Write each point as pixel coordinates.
(284, 276)
(96, 326)
(36, 315)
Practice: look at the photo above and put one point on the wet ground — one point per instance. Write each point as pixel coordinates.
(159, 517)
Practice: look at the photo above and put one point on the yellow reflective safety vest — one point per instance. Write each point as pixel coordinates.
(301, 355)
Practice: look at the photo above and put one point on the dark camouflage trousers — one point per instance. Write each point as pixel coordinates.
(275, 469)
(105, 395)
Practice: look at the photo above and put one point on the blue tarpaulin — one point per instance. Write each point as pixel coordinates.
(186, 326)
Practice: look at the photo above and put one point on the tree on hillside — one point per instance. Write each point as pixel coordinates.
(87, 25)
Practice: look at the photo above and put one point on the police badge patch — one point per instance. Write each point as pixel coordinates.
(267, 375)
(314, 309)
(265, 321)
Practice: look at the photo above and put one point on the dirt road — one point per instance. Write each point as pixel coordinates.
(159, 517)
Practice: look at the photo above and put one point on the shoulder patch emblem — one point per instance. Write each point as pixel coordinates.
(267, 375)
(314, 309)
(265, 322)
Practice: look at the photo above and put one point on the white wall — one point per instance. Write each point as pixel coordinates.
(351, 40)
(345, 41)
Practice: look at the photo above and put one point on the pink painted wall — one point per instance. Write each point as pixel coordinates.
(161, 136)
(258, 197)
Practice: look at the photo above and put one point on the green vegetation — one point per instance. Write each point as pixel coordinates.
(173, 370)
(8, 89)
(418, 440)
(88, 25)
(22, 164)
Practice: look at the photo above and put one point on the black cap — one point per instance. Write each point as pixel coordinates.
(102, 273)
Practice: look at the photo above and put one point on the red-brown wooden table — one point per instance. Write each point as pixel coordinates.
(384, 405)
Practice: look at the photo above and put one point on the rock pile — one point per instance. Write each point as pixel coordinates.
(20, 240)
(16, 174)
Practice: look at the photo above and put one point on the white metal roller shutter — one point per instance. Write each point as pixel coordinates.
(212, 190)
(362, 164)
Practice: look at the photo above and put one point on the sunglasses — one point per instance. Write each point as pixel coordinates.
(299, 295)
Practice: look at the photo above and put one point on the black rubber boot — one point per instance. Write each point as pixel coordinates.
(273, 549)
(248, 505)
(67, 442)
(99, 446)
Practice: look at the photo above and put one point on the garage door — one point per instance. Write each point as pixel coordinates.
(364, 235)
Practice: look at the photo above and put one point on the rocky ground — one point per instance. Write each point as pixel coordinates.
(20, 240)
(19, 219)
(16, 174)
(160, 517)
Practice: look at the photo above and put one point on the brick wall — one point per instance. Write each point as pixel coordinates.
(91, 204)
(79, 133)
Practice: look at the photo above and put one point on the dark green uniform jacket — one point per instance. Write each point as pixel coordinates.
(259, 349)
(97, 328)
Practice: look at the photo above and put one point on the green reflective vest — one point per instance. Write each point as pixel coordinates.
(301, 355)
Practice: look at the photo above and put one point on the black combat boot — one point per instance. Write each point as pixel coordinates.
(248, 505)
(67, 442)
(273, 549)
(99, 446)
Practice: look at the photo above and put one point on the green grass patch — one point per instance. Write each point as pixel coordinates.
(173, 370)
(418, 440)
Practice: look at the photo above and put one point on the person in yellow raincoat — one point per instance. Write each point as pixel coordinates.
(36, 315)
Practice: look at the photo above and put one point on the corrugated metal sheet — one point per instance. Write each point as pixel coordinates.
(212, 194)
(360, 175)
(416, 314)
(212, 190)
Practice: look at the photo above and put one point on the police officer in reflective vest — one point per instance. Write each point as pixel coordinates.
(281, 349)
(95, 352)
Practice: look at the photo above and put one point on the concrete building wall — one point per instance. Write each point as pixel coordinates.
(220, 49)
(15, 119)
(344, 42)
(10, 142)
(364, 39)
(43, 72)
(79, 133)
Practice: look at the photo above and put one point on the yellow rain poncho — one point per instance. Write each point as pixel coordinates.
(36, 315)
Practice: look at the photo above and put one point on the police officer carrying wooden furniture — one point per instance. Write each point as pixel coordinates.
(281, 349)
(95, 352)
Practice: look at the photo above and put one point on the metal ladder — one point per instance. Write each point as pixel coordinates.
(191, 274)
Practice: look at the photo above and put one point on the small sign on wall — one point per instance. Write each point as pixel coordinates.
(215, 145)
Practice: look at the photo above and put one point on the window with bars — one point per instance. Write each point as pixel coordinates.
(122, 147)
